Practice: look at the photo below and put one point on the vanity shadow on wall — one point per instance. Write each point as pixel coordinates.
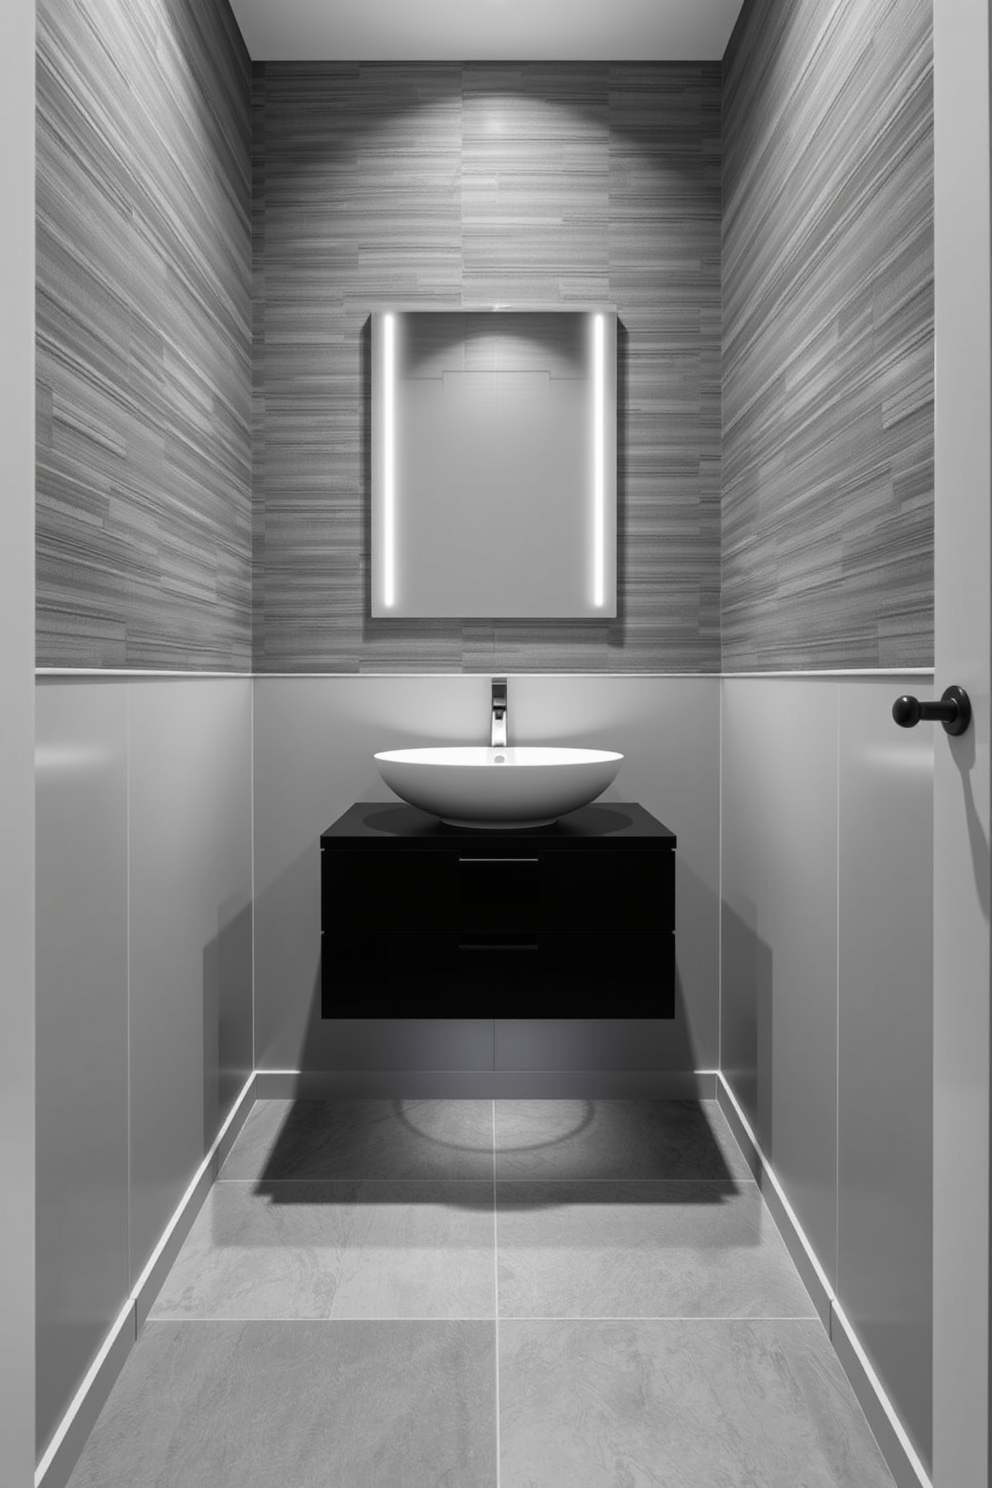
(423, 919)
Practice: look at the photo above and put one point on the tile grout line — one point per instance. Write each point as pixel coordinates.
(579, 1317)
(496, 1291)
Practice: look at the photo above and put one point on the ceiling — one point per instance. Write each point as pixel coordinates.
(486, 30)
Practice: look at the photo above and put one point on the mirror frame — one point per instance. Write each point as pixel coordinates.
(599, 584)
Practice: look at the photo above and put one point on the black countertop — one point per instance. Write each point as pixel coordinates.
(606, 826)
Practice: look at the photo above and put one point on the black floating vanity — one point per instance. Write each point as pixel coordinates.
(422, 919)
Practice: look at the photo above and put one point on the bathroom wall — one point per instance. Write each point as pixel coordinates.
(314, 742)
(17, 1040)
(828, 336)
(144, 981)
(144, 336)
(827, 996)
(479, 184)
(827, 563)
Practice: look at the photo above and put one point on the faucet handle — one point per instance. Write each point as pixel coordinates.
(497, 731)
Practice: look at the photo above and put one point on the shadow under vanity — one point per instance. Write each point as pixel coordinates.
(421, 918)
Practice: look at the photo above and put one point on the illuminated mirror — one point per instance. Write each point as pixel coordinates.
(494, 463)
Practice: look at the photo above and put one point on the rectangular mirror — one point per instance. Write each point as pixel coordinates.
(494, 463)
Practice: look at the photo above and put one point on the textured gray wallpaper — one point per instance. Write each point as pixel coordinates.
(477, 184)
(828, 336)
(144, 336)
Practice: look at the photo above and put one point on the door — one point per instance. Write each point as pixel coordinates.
(963, 351)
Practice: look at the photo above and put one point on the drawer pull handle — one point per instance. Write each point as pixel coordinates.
(497, 860)
(497, 945)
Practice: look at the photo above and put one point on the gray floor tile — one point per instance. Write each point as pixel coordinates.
(300, 1405)
(643, 1249)
(679, 1405)
(365, 1139)
(337, 1249)
(615, 1139)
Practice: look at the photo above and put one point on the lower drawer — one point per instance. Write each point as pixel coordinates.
(509, 976)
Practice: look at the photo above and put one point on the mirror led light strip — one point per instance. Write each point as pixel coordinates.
(597, 458)
(388, 461)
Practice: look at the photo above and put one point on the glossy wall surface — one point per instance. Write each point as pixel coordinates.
(827, 993)
(144, 981)
(17, 891)
(827, 500)
(315, 738)
(144, 336)
(472, 185)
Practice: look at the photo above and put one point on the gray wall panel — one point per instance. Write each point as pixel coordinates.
(452, 184)
(144, 336)
(885, 1073)
(314, 742)
(82, 1030)
(779, 969)
(17, 887)
(826, 1003)
(828, 335)
(190, 846)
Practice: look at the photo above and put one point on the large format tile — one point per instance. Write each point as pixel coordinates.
(615, 1139)
(339, 1249)
(680, 1404)
(643, 1249)
(365, 1139)
(779, 983)
(306, 1405)
(189, 932)
(82, 1030)
(885, 1003)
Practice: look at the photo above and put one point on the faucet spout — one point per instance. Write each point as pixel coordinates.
(498, 728)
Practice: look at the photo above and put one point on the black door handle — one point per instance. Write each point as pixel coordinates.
(953, 711)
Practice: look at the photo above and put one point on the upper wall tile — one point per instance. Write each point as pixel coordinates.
(472, 184)
(144, 336)
(828, 336)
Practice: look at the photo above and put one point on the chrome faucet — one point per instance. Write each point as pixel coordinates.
(498, 735)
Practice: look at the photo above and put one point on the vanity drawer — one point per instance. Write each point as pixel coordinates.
(484, 889)
(429, 891)
(406, 891)
(498, 894)
(630, 890)
(509, 975)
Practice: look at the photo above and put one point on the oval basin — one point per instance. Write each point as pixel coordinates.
(472, 785)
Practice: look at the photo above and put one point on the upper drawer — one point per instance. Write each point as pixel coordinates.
(595, 891)
(468, 889)
(366, 891)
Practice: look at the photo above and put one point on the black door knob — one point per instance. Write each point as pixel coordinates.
(953, 711)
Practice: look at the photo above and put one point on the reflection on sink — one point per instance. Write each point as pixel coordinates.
(516, 786)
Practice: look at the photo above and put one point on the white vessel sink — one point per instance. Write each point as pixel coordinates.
(515, 786)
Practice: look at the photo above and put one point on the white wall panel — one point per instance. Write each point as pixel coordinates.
(190, 849)
(885, 1031)
(779, 970)
(82, 1031)
(314, 742)
(17, 891)
(826, 1003)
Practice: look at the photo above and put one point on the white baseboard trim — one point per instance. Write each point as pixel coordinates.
(55, 1468)
(62, 1453)
(486, 1084)
(901, 1457)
